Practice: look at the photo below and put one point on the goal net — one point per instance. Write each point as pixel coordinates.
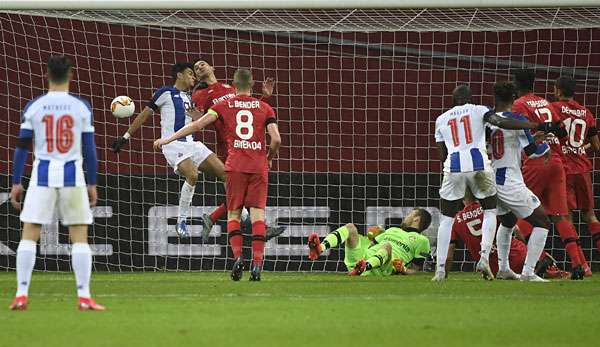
(356, 98)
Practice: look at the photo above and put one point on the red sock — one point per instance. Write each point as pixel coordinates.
(582, 257)
(235, 237)
(258, 242)
(218, 213)
(568, 234)
(525, 228)
(594, 229)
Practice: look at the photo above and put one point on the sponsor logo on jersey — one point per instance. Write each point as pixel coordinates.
(243, 144)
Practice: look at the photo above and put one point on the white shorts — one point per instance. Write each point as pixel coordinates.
(178, 151)
(482, 184)
(71, 205)
(518, 199)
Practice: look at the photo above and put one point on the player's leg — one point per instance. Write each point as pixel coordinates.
(81, 261)
(189, 170)
(584, 198)
(452, 192)
(339, 236)
(235, 190)
(503, 243)
(212, 165)
(537, 241)
(380, 257)
(483, 187)
(38, 209)
(256, 200)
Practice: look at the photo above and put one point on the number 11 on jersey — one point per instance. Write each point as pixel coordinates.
(466, 120)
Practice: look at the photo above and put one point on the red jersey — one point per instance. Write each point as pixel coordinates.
(244, 122)
(580, 125)
(539, 110)
(206, 98)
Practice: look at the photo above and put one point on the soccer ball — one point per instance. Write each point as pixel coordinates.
(122, 106)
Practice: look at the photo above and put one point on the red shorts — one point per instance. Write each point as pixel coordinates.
(246, 189)
(517, 255)
(580, 191)
(548, 182)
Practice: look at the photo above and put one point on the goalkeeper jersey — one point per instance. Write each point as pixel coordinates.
(406, 245)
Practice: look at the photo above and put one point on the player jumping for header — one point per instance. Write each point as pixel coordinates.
(460, 136)
(61, 127)
(387, 253)
(245, 120)
(186, 156)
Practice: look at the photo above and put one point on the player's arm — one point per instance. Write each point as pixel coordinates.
(137, 123)
(442, 151)
(189, 129)
(24, 142)
(275, 143)
(594, 142)
(513, 124)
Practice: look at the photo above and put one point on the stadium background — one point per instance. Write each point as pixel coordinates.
(356, 112)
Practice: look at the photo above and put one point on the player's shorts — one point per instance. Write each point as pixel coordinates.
(246, 189)
(178, 151)
(481, 183)
(70, 204)
(517, 255)
(548, 182)
(363, 251)
(580, 192)
(516, 198)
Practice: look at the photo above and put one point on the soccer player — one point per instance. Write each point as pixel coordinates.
(389, 252)
(580, 125)
(245, 120)
(467, 228)
(186, 156)
(209, 93)
(546, 178)
(61, 127)
(514, 199)
(460, 136)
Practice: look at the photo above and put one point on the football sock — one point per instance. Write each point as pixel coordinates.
(185, 200)
(443, 241)
(535, 247)
(582, 256)
(488, 232)
(25, 263)
(235, 237)
(339, 236)
(379, 258)
(81, 260)
(258, 242)
(525, 228)
(218, 213)
(594, 229)
(503, 238)
(568, 234)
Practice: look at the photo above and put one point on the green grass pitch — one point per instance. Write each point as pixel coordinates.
(301, 309)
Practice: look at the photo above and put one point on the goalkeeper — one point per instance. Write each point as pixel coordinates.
(384, 252)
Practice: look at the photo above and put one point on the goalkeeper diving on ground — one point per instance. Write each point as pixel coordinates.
(383, 252)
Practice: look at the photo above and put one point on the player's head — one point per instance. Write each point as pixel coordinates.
(524, 80)
(564, 87)
(59, 69)
(183, 74)
(242, 80)
(203, 70)
(469, 198)
(461, 95)
(504, 93)
(418, 218)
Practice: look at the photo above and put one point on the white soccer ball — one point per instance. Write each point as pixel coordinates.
(122, 106)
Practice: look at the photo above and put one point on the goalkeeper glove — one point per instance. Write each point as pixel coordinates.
(118, 143)
(373, 231)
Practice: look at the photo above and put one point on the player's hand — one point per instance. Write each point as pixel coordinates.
(195, 113)
(118, 143)
(268, 87)
(373, 231)
(16, 195)
(92, 195)
(270, 161)
(398, 265)
(159, 143)
(541, 136)
(545, 127)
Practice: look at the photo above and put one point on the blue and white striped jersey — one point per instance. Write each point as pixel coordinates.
(56, 121)
(462, 129)
(506, 147)
(173, 104)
